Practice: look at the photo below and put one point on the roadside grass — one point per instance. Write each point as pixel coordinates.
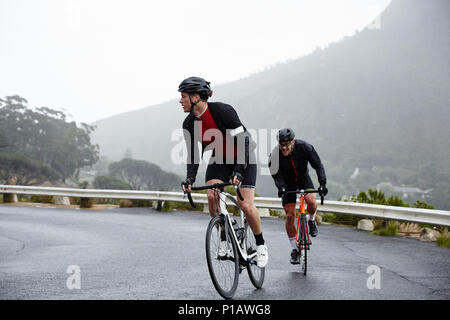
(444, 239)
(390, 230)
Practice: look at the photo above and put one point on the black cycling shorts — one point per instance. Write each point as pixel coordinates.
(292, 197)
(223, 172)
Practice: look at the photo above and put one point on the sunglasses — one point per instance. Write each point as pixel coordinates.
(285, 145)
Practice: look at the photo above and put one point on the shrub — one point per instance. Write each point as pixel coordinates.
(423, 205)
(277, 213)
(444, 239)
(142, 203)
(329, 217)
(408, 228)
(41, 199)
(169, 206)
(125, 203)
(391, 230)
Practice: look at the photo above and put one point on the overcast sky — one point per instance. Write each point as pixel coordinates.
(97, 58)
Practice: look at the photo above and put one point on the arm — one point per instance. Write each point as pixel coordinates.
(240, 137)
(192, 162)
(316, 163)
(274, 168)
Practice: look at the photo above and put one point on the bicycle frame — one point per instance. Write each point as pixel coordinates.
(301, 213)
(223, 210)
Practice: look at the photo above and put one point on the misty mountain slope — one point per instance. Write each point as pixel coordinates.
(379, 90)
(378, 99)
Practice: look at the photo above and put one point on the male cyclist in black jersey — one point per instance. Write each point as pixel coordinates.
(217, 126)
(288, 165)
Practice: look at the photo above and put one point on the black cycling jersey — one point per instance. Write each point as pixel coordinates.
(292, 171)
(228, 122)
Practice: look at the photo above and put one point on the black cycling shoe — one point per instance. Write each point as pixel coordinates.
(295, 256)
(312, 228)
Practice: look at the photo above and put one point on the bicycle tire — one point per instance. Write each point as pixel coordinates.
(305, 245)
(222, 267)
(255, 273)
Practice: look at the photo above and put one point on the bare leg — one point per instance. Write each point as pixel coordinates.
(290, 220)
(212, 197)
(249, 209)
(310, 199)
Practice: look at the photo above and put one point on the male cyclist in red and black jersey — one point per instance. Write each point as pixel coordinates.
(217, 126)
(288, 165)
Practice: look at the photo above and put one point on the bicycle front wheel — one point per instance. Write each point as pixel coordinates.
(222, 257)
(255, 273)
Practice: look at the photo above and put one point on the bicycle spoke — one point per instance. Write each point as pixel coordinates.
(221, 260)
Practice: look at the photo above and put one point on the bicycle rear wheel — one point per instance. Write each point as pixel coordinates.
(223, 268)
(255, 273)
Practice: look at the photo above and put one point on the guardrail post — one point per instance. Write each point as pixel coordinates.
(61, 200)
(86, 203)
(158, 204)
(10, 198)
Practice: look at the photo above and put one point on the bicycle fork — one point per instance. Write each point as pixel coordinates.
(301, 243)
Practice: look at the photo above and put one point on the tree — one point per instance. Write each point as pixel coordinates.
(128, 154)
(107, 182)
(43, 134)
(17, 169)
(140, 174)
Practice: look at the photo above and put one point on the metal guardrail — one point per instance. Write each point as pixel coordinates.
(425, 216)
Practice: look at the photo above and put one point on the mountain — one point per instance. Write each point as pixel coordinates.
(377, 101)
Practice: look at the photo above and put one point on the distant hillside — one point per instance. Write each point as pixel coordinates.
(377, 101)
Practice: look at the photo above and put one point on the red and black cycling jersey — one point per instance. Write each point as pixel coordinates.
(223, 117)
(292, 170)
(208, 136)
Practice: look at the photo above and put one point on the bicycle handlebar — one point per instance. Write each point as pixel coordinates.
(213, 186)
(307, 191)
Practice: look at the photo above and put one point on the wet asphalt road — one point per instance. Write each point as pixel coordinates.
(139, 253)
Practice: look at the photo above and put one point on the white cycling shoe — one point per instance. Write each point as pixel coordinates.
(262, 256)
(223, 249)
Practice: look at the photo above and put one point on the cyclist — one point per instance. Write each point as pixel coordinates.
(211, 123)
(288, 163)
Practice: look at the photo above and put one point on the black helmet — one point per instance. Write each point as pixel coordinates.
(285, 135)
(196, 85)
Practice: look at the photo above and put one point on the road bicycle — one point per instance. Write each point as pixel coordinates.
(302, 231)
(230, 244)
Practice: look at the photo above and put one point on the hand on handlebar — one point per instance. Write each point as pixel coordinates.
(187, 184)
(236, 179)
(281, 192)
(323, 190)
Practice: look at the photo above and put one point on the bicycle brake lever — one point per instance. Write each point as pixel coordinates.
(190, 200)
(238, 191)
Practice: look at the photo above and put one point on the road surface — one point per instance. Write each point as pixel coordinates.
(139, 253)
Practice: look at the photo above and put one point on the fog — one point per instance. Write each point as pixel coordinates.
(99, 58)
